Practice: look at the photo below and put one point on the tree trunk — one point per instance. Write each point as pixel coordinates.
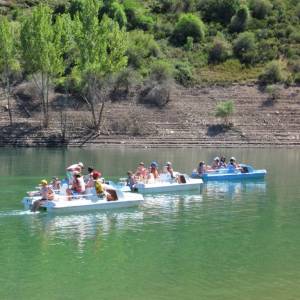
(97, 127)
(8, 97)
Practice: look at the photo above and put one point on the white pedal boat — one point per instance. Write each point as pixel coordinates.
(61, 203)
(185, 183)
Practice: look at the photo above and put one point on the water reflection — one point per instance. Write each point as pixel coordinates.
(84, 226)
(233, 189)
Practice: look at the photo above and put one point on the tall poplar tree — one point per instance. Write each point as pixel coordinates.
(8, 58)
(101, 53)
(42, 52)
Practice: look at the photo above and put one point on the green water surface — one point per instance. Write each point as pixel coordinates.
(237, 240)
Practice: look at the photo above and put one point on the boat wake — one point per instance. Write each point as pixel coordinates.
(16, 213)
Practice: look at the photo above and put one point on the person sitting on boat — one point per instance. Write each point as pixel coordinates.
(55, 183)
(131, 180)
(78, 185)
(153, 171)
(100, 187)
(169, 169)
(74, 168)
(47, 193)
(201, 168)
(216, 163)
(233, 165)
(141, 172)
(223, 162)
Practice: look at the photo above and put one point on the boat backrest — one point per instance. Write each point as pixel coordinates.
(63, 189)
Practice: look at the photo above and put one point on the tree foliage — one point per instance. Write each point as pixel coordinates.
(218, 10)
(41, 51)
(8, 57)
(189, 25)
(240, 20)
(245, 48)
(101, 53)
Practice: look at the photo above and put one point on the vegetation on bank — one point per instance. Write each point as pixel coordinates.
(97, 49)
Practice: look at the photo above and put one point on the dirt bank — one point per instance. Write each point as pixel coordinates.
(187, 120)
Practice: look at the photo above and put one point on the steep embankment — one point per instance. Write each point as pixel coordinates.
(187, 120)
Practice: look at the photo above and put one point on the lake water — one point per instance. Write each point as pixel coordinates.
(232, 241)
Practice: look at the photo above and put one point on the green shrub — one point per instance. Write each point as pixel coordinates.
(239, 22)
(273, 92)
(134, 9)
(267, 50)
(188, 25)
(295, 37)
(224, 110)
(245, 48)
(218, 10)
(184, 73)
(297, 10)
(75, 6)
(260, 8)
(295, 66)
(141, 46)
(220, 50)
(161, 71)
(272, 74)
(297, 78)
(123, 82)
(143, 22)
(115, 11)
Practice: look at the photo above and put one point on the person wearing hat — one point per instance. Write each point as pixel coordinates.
(154, 170)
(169, 169)
(47, 193)
(216, 163)
(100, 187)
(233, 165)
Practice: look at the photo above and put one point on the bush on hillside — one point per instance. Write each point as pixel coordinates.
(173, 6)
(220, 50)
(244, 47)
(115, 11)
(124, 82)
(161, 71)
(224, 110)
(297, 10)
(218, 10)
(155, 95)
(188, 25)
(272, 74)
(239, 22)
(75, 7)
(137, 15)
(260, 8)
(273, 91)
(140, 47)
(267, 50)
(184, 73)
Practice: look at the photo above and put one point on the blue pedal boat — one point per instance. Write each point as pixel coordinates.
(246, 172)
